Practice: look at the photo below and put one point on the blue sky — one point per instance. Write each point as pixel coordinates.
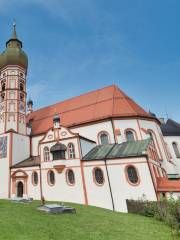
(75, 46)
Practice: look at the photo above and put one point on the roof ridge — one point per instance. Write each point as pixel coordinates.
(69, 99)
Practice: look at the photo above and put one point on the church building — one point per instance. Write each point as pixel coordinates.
(100, 148)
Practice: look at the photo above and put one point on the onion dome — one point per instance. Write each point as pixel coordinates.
(30, 102)
(58, 147)
(56, 118)
(13, 54)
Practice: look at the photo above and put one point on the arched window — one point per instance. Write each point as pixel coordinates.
(46, 154)
(71, 151)
(35, 178)
(2, 97)
(3, 86)
(70, 178)
(130, 136)
(21, 87)
(132, 175)
(51, 178)
(103, 138)
(21, 96)
(176, 149)
(98, 176)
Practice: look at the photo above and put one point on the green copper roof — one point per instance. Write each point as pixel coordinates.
(13, 54)
(126, 149)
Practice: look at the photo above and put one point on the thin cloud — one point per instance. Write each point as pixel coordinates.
(66, 9)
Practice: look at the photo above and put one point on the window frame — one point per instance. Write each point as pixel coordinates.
(133, 132)
(127, 176)
(94, 177)
(99, 137)
(45, 152)
(67, 177)
(69, 151)
(48, 178)
(32, 178)
(177, 154)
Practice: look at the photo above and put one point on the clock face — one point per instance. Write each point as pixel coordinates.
(3, 147)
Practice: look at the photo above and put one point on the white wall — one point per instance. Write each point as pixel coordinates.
(21, 148)
(4, 170)
(169, 140)
(86, 146)
(121, 189)
(91, 131)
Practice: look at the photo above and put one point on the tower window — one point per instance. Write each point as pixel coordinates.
(21, 87)
(2, 97)
(3, 86)
(21, 97)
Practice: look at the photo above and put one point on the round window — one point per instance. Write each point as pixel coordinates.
(98, 176)
(70, 177)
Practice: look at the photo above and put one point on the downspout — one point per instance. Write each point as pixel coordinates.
(109, 183)
(113, 127)
(110, 189)
(82, 173)
(41, 191)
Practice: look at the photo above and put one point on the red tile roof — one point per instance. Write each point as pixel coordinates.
(165, 185)
(93, 106)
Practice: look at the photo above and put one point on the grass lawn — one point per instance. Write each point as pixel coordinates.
(24, 222)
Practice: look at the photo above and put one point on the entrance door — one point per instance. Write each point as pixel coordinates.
(20, 189)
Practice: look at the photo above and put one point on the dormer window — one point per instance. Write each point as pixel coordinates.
(58, 151)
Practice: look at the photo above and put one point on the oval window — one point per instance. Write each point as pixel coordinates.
(70, 177)
(51, 178)
(35, 178)
(132, 175)
(98, 176)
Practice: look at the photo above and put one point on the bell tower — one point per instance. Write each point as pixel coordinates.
(13, 71)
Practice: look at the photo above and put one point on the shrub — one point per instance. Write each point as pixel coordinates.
(163, 210)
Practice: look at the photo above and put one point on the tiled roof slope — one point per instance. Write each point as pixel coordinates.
(123, 150)
(171, 128)
(29, 162)
(96, 105)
